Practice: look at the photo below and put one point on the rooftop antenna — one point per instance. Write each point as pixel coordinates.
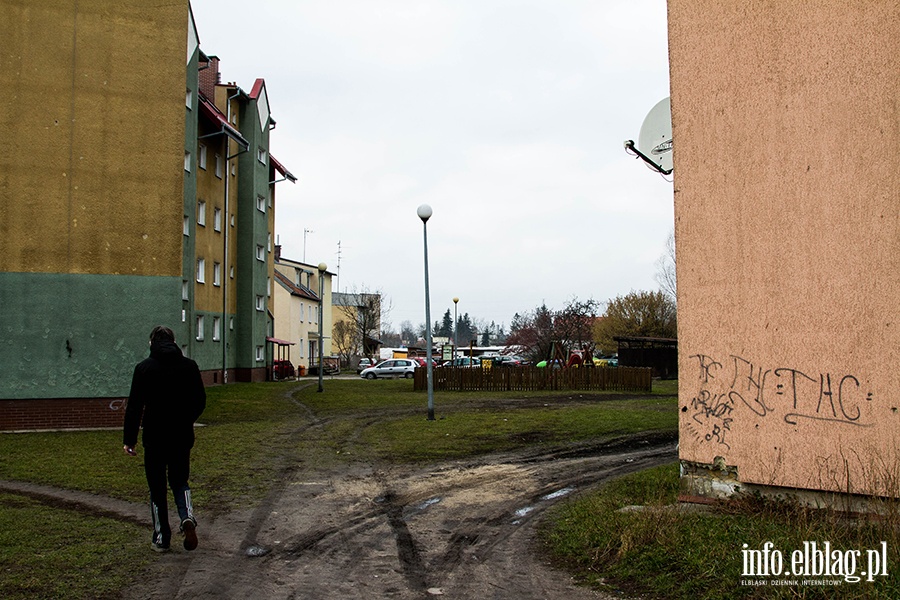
(305, 231)
(655, 139)
(338, 276)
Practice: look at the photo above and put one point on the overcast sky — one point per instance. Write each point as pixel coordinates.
(507, 117)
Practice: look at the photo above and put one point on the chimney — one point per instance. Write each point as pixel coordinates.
(209, 77)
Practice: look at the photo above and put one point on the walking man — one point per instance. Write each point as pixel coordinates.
(167, 396)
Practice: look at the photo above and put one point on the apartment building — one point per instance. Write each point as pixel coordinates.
(303, 300)
(138, 190)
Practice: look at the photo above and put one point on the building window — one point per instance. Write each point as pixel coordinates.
(269, 243)
(260, 354)
(231, 272)
(269, 286)
(300, 348)
(260, 253)
(187, 161)
(261, 204)
(201, 157)
(201, 270)
(201, 213)
(231, 323)
(260, 303)
(187, 226)
(217, 274)
(185, 290)
(219, 166)
(217, 219)
(189, 99)
(261, 155)
(217, 326)
(200, 324)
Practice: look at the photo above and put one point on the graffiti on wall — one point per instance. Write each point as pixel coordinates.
(727, 388)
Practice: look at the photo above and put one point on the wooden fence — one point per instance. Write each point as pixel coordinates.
(530, 379)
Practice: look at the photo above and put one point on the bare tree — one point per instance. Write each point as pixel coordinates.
(665, 269)
(360, 313)
(542, 329)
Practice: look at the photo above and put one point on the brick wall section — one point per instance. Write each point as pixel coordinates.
(63, 413)
(209, 77)
(83, 413)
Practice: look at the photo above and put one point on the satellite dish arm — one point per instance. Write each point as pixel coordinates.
(630, 148)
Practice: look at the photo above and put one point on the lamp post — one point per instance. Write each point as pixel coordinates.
(322, 268)
(455, 327)
(424, 211)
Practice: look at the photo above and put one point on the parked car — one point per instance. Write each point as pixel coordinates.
(423, 362)
(463, 361)
(395, 367)
(609, 361)
(510, 361)
(364, 363)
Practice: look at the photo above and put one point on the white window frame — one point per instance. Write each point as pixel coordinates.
(187, 161)
(201, 270)
(260, 253)
(217, 274)
(200, 326)
(185, 290)
(187, 226)
(217, 219)
(220, 166)
(261, 204)
(217, 327)
(189, 99)
(260, 353)
(260, 303)
(201, 157)
(261, 155)
(201, 213)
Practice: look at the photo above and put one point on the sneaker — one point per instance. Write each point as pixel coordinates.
(159, 547)
(189, 528)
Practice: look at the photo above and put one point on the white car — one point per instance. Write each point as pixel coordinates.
(395, 367)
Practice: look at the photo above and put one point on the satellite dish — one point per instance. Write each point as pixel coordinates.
(655, 140)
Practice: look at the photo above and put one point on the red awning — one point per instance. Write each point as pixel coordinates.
(280, 342)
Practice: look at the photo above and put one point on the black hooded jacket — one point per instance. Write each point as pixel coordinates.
(167, 396)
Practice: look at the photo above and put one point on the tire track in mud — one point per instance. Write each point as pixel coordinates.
(460, 529)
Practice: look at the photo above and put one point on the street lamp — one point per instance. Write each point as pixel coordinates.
(455, 327)
(322, 268)
(424, 212)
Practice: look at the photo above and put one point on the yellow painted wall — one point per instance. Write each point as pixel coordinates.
(786, 121)
(72, 186)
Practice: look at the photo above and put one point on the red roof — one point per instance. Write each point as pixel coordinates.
(211, 112)
(293, 288)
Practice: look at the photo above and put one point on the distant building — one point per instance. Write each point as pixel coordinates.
(356, 324)
(297, 309)
(137, 191)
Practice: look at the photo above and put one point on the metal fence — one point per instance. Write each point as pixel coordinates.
(530, 379)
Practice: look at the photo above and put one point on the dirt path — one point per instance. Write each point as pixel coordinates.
(460, 529)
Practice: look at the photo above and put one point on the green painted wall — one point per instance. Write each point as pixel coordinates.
(79, 336)
(253, 181)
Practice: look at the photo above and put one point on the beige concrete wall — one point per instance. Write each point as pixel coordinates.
(786, 121)
(92, 116)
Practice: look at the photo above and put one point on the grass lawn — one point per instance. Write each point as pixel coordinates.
(677, 555)
(250, 433)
